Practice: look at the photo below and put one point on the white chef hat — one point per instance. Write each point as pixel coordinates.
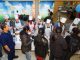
(63, 19)
(48, 21)
(30, 17)
(39, 17)
(16, 17)
(76, 20)
(6, 17)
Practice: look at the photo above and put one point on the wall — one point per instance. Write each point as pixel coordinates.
(60, 3)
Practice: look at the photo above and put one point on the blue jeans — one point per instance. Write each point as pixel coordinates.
(11, 54)
(28, 55)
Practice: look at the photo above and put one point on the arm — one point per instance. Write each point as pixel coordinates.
(3, 42)
(7, 48)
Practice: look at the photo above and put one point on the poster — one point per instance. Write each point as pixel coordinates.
(11, 8)
(44, 6)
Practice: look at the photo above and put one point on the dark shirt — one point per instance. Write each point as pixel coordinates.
(7, 39)
(26, 42)
(41, 45)
(59, 46)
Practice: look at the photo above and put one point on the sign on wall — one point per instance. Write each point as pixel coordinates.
(15, 7)
(44, 6)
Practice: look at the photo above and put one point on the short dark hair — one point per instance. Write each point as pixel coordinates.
(3, 25)
(41, 31)
(26, 28)
(75, 30)
(59, 30)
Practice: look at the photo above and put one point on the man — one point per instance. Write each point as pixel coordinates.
(7, 42)
(10, 23)
(50, 12)
(18, 24)
(48, 30)
(61, 24)
(31, 24)
(59, 45)
(74, 42)
(74, 24)
(26, 42)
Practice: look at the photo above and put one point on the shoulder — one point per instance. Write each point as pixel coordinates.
(2, 36)
(23, 34)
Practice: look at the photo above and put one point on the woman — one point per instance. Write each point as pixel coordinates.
(41, 45)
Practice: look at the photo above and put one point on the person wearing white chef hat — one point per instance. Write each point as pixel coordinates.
(17, 23)
(30, 19)
(6, 17)
(62, 24)
(74, 24)
(39, 19)
(9, 23)
(48, 30)
(31, 24)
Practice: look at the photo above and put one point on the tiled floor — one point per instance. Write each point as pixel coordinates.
(22, 56)
(75, 57)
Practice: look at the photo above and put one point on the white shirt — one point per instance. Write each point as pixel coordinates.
(31, 27)
(48, 32)
(18, 25)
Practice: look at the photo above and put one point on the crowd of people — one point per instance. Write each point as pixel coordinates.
(53, 39)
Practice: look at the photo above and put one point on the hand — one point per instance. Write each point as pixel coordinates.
(7, 48)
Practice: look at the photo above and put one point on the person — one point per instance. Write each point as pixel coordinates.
(47, 30)
(59, 45)
(71, 13)
(52, 39)
(18, 24)
(50, 14)
(74, 42)
(74, 24)
(1, 51)
(0, 28)
(79, 37)
(10, 23)
(0, 44)
(31, 25)
(61, 24)
(67, 38)
(7, 21)
(26, 42)
(7, 42)
(41, 45)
